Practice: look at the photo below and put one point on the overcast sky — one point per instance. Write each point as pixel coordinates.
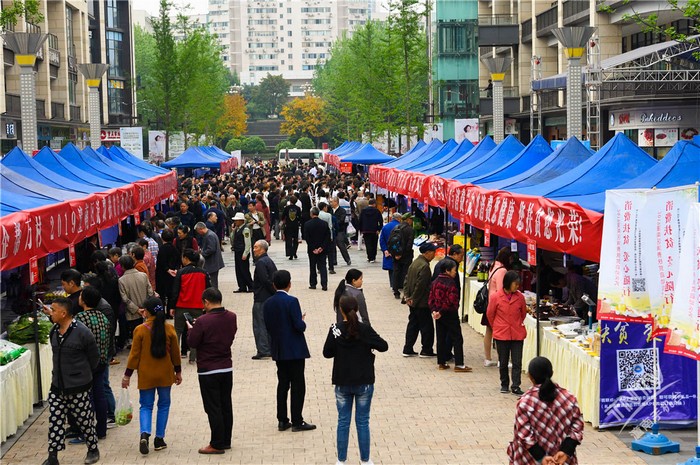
(197, 6)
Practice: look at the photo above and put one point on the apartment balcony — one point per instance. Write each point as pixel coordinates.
(526, 32)
(41, 109)
(547, 21)
(498, 30)
(58, 111)
(13, 105)
(576, 11)
(511, 101)
(75, 113)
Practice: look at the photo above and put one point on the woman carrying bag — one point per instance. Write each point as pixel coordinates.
(155, 354)
(350, 344)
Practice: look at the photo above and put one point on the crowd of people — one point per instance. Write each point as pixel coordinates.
(123, 297)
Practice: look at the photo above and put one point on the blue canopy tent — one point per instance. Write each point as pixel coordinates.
(414, 155)
(18, 184)
(447, 148)
(118, 155)
(565, 158)
(72, 155)
(28, 167)
(500, 155)
(618, 161)
(680, 167)
(193, 158)
(419, 145)
(368, 155)
(218, 150)
(346, 148)
(97, 157)
(50, 159)
(476, 152)
(457, 153)
(537, 150)
(213, 153)
(11, 202)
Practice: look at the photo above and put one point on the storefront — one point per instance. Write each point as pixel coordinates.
(656, 129)
(9, 131)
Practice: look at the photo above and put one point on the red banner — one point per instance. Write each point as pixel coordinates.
(532, 252)
(33, 270)
(555, 226)
(44, 230)
(487, 236)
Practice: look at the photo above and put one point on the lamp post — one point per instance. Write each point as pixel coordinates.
(25, 46)
(574, 40)
(93, 76)
(497, 67)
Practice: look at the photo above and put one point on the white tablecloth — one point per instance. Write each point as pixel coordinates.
(46, 367)
(16, 395)
(474, 319)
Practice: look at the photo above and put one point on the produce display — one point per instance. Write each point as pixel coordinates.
(9, 352)
(22, 331)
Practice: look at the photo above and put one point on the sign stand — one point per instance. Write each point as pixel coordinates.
(695, 460)
(655, 443)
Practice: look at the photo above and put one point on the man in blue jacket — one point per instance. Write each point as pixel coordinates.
(387, 259)
(285, 325)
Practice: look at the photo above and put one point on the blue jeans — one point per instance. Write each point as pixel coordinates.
(109, 395)
(344, 396)
(146, 398)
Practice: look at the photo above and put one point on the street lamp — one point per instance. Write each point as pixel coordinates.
(93, 76)
(574, 40)
(25, 46)
(498, 66)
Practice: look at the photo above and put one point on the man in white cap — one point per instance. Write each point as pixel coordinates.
(241, 246)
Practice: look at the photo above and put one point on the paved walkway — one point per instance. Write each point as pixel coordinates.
(419, 415)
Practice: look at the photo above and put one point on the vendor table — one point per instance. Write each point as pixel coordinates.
(46, 359)
(17, 394)
(473, 319)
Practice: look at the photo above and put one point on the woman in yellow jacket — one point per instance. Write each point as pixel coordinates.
(155, 354)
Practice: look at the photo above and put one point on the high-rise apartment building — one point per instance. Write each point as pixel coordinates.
(290, 38)
(634, 82)
(96, 31)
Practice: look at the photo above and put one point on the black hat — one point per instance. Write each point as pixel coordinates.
(427, 247)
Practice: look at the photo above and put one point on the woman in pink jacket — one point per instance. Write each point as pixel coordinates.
(498, 270)
(506, 314)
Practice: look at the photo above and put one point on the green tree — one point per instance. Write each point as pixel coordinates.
(234, 144)
(271, 94)
(305, 143)
(285, 144)
(29, 9)
(253, 144)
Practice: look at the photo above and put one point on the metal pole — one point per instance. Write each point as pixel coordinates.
(464, 273)
(538, 288)
(37, 353)
(447, 222)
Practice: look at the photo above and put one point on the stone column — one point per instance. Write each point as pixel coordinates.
(25, 45)
(93, 77)
(498, 66)
(574, 39)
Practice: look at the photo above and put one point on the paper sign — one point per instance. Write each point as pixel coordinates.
(33, 270)
(137, 218)
(345, 167)
(487, 236)
(532, 252)
(513, 246)
(71, 255)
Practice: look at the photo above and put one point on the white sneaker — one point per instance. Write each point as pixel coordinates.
(338, 462)
(510, 365)
(490, 363)
(369, 462)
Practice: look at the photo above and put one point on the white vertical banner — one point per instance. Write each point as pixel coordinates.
(640, 251)
(236, 155)
(683, 336)
(433, 131)
(176, 144)
(156, 146)
(467, 129)
(131, 140)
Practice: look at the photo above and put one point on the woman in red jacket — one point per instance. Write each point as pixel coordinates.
(506, 314)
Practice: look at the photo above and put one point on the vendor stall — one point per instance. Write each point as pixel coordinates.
(17, 394)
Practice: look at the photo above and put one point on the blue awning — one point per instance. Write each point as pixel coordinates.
(499, 156)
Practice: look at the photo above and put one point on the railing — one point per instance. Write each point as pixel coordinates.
(13, 105)
(40, 109)
(575, 7)
(75, 113)
(526, 31)
(9, 27)
(31, 28)
(508, 92)
(54, 53)
(58, 111)
(498, 20)
(547, 20)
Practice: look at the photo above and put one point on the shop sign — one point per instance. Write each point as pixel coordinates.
(652, 118)
(110, 135)
(10, 129)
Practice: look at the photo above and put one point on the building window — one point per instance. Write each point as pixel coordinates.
(72, 87)
(115, 96)
(69, 32)
(114, 53)
(457, 38)
(112, 14)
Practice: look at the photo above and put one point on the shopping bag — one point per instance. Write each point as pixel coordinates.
(351, 230)
(123, 411)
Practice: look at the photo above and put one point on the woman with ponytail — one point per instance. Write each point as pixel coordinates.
(548, 422)
(351, 286)
(155, 353)
(350, 343)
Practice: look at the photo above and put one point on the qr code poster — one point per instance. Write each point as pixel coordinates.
(635, 369)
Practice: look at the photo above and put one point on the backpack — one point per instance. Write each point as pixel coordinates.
(394, 244)
(481, 302)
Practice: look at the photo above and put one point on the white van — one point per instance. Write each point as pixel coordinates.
(303, 155)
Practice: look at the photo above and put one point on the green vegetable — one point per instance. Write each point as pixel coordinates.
(22, 331)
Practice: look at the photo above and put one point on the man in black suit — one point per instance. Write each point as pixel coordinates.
(305, 199)
(285, 325)
(318, 240)
(371, 222)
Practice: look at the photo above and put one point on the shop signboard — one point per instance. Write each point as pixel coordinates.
(627, 380)
(665, 137)
(640, 252)
(131, 140)
(654, 118)
(109, 135)
(467, 128)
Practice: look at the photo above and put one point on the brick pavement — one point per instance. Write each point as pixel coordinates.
(419, 415)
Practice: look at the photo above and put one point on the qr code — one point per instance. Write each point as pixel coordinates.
(635, 370)
(639, 285)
